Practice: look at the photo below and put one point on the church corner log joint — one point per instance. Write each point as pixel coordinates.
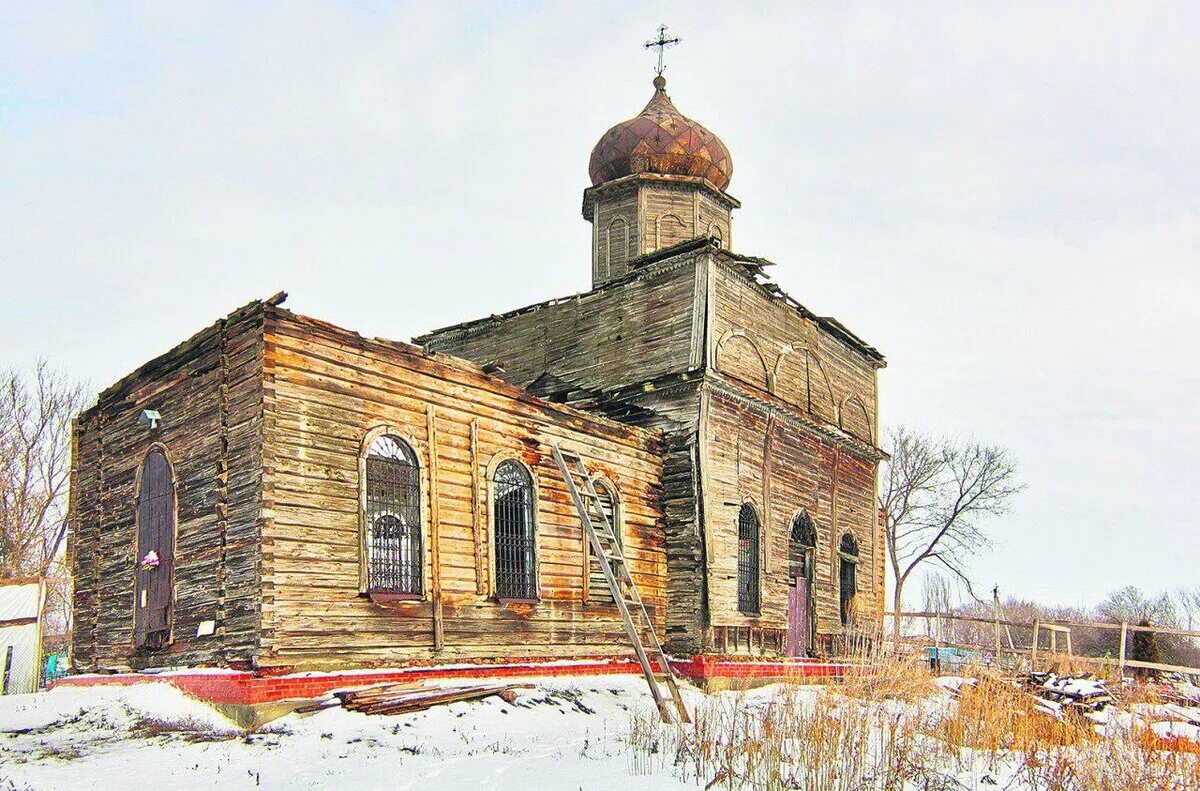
(305, 497)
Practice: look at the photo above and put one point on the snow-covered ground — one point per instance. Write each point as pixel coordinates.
(565, 733)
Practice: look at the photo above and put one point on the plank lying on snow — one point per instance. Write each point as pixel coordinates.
(408, 697)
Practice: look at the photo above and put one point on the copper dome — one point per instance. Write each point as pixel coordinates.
(661, 140)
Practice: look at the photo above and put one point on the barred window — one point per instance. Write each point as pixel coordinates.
(393, 518)
(598, 589)
(748, 559)
(847, 576)
(515, 532)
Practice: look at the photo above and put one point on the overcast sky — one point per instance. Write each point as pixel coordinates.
(1005, 201)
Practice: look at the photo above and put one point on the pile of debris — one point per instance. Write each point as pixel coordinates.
(1082, 694)
(410, 697)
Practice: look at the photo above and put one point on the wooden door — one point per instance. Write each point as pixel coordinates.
(798, 617)
(154, 590)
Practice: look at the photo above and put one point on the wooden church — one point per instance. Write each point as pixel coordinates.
(280, 493)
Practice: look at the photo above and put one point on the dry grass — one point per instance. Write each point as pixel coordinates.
(879, 730)
(892, 678)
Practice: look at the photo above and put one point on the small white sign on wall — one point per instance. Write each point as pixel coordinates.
(206, 628)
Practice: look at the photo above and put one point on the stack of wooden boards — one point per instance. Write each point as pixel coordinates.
(410, 697)
(1081, 693)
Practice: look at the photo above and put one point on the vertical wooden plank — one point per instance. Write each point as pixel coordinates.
(1037, 627)
(477, 512)
(435, 520)
(1121, 655)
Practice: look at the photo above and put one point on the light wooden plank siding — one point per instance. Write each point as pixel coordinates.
(330, 387)
(208, 391)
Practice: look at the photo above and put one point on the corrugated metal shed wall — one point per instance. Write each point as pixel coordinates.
(19, 602)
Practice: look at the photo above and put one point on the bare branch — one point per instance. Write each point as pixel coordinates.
(936, 496)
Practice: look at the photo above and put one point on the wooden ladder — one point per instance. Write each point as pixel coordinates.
(607, 550)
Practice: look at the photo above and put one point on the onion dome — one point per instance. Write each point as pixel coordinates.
(661, 140)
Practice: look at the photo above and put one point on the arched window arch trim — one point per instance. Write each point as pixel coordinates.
(749, 559)
(419, 450)
(490, 477)
(159, 448)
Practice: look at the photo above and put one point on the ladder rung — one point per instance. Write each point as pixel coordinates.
(614, 557)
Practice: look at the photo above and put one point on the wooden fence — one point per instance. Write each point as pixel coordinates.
(941, 631)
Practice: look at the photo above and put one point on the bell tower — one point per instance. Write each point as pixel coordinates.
(658, 179)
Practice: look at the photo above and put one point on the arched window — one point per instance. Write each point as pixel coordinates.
(154, 605)
(515, 532)
(598, 589)
(748, 559)
(802, 546)
(847, 576)
(393, 518)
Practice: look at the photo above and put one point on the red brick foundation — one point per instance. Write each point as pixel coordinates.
(246, 687)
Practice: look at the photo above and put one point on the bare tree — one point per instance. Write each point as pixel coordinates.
(935, 495)
(1189, 603)
(36, 409)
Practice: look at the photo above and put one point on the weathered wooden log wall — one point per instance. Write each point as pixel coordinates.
(209, 393)
(326, 389)
(788, 423)
(763, 455)
(637, 343)
(630, 331)
(738, 351)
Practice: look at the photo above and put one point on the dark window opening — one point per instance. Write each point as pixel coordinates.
(847, 577)
(394, 557)
(802, 547)
(515, 538)
(748, 559)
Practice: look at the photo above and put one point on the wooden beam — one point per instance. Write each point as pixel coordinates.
(477, 512)
(435, 518)
(1121, 655)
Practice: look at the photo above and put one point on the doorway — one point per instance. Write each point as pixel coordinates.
(802, 545)
(154, 591)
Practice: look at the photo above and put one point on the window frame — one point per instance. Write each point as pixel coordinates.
(847, 558)
(756, 553)
(493, 467)
(418, 450)
(603, 482)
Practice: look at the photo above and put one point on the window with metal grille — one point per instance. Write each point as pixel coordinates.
(847, 576)
(393, 518)
(514, 531)
(748, 559)
(598, 589)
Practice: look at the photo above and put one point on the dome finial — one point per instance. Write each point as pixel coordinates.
(662, 42)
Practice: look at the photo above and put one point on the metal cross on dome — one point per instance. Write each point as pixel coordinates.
(662, 42)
